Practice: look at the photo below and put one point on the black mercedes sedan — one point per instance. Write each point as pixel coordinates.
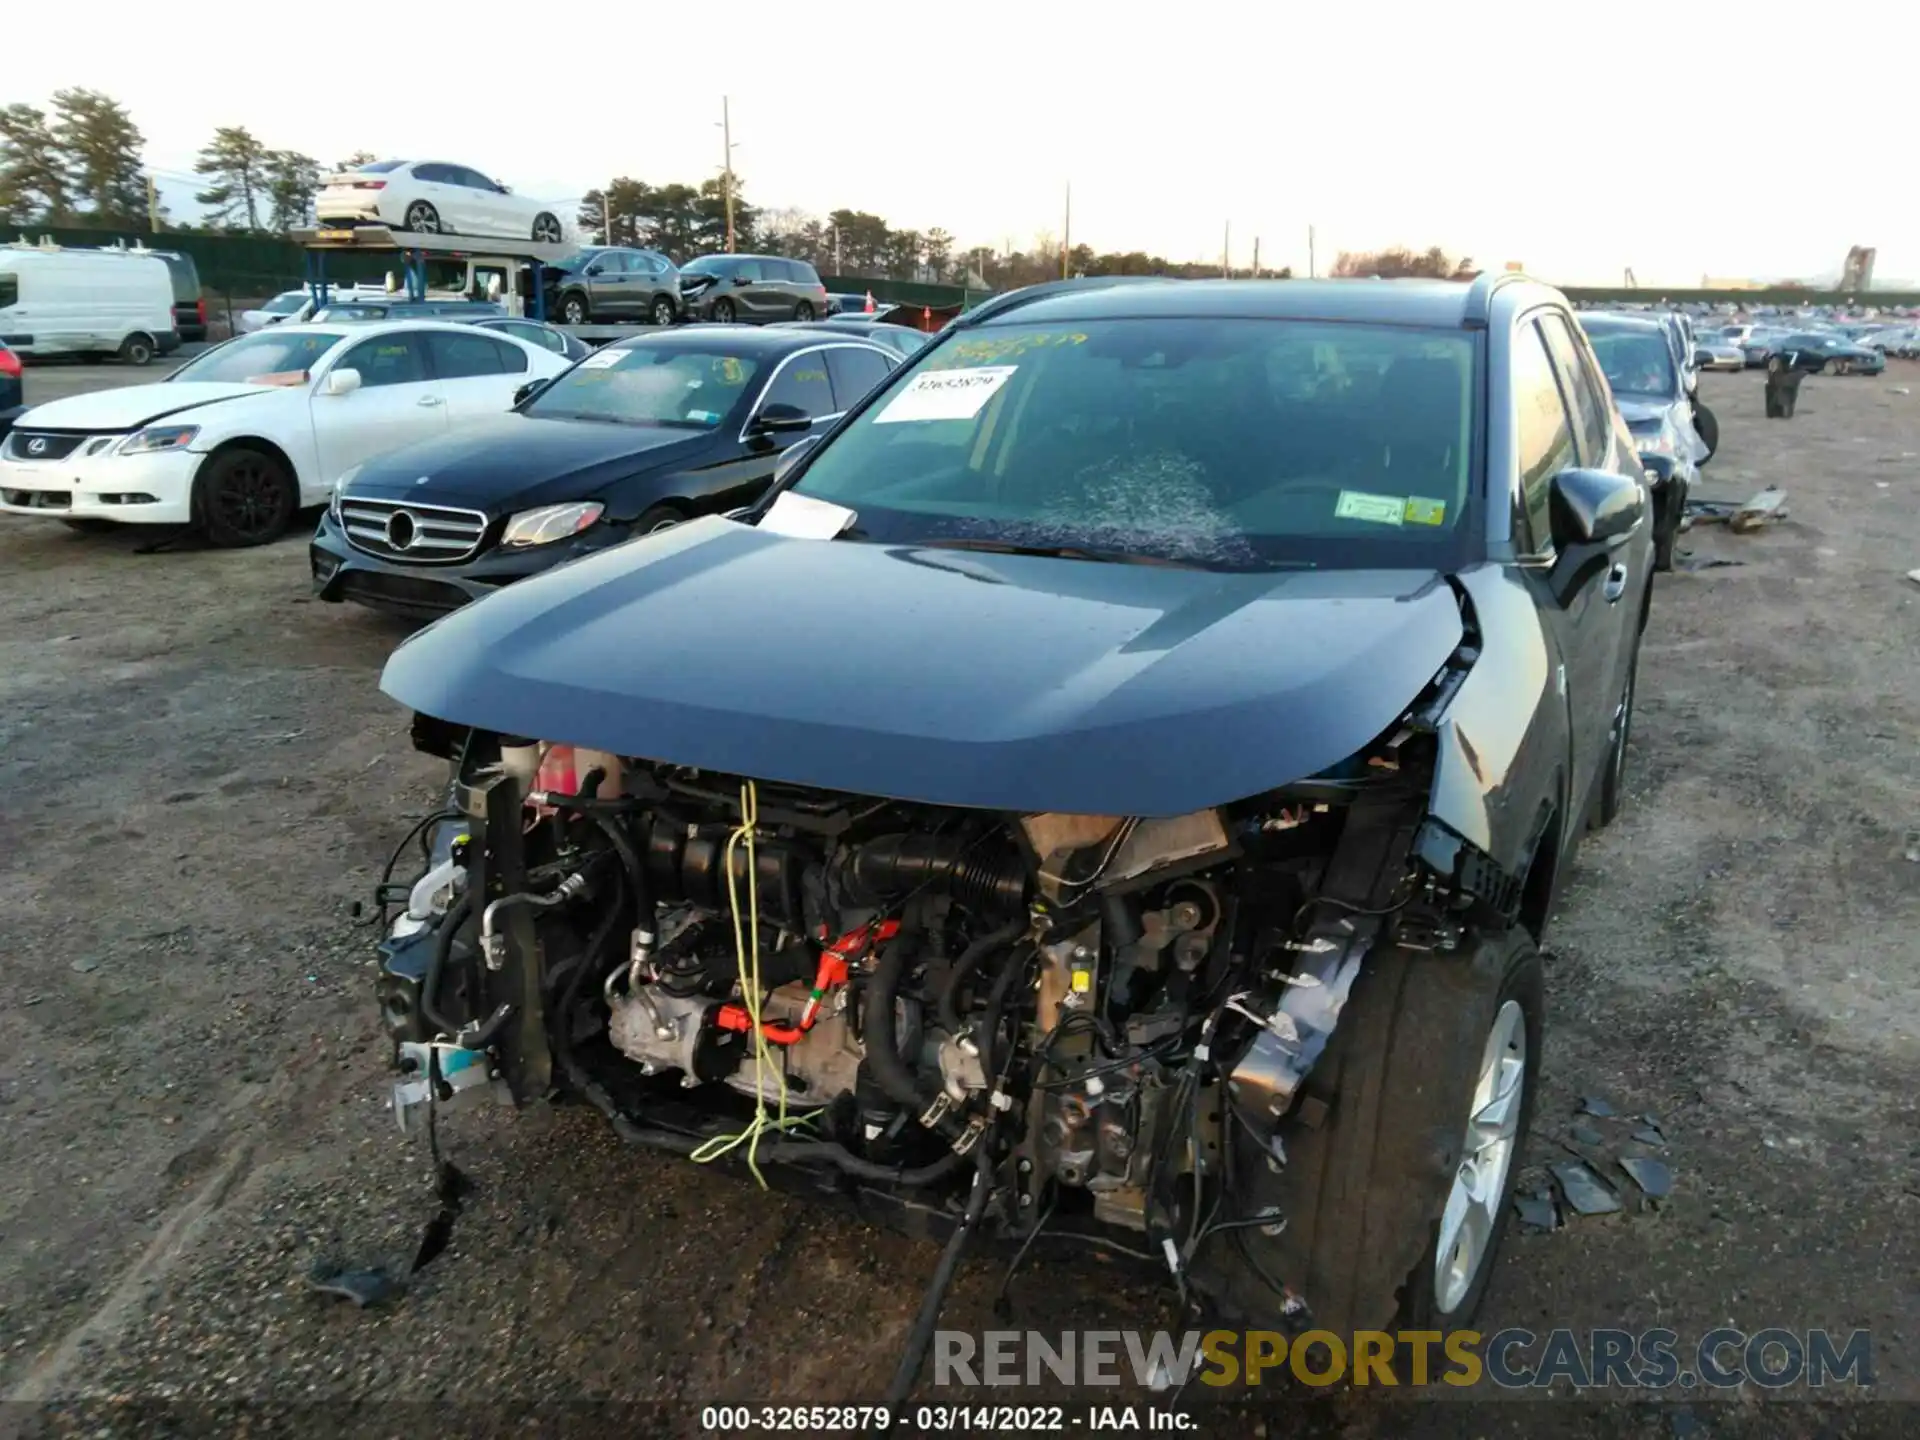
(636, 437)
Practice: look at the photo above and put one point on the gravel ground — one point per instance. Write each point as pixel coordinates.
(198, 776)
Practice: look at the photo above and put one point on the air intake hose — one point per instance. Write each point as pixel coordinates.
(888, 866)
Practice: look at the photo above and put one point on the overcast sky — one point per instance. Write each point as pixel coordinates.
(1577, 141)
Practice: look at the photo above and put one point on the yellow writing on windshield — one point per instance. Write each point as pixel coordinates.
(996, 349)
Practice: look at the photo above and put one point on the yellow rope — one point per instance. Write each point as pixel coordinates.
(746, 944)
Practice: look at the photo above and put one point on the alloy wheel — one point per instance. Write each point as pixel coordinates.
(1472, 1212)
(248, 500)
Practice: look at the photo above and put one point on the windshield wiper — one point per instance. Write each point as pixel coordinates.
(1058, 552)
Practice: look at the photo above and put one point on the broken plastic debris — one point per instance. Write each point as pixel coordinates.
(1594, 1105)
(1537, 1210)
(1654, 1177)
(1585, 1191)
(364, 1288)
(1586, 1135)
(1647, 1135)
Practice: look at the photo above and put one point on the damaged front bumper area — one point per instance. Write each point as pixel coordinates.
(1106, 1027)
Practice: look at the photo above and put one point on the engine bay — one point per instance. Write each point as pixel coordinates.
(1102, 1027)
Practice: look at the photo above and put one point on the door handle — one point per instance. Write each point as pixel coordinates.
(436, 400)
(1616, 585)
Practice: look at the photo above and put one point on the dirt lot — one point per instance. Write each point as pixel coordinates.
(198, 776)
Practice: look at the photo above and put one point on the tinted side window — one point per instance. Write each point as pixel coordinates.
(1593, 415)
(472, 179)
(802, 381)
(9, 291)
(748, 270)
(435, 174)
(803, 272)
(457, 357)
(386, 360)
(1546, 436)
(854, 373)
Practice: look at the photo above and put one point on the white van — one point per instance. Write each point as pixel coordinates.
(86, 302)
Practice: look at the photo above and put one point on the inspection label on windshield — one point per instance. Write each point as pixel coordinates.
(602, 360)
(946, 394)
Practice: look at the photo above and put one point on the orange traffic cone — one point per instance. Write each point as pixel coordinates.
(869, 302)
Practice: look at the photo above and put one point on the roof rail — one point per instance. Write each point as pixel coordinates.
(1014, 299)
(1480, 294)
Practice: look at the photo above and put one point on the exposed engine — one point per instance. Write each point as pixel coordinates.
(1107, 1020)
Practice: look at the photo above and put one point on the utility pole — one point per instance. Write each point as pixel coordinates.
(153, 208)
(726, 179)
(1311, 272)
(1226, 253)
(606, 219)
(1256, 257)
(1066, 233)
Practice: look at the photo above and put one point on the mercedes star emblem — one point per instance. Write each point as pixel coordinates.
(401, 529)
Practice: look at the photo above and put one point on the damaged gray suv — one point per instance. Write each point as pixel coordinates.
(1111, 788)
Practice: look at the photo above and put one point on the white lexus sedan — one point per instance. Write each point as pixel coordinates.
(239, 440)
(431, 197)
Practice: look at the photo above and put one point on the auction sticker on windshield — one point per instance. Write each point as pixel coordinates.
(945, 394)
(1381, 509)
(602, 360)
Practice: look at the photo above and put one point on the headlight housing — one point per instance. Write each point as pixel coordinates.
(339, 488)
(158, 437)
(551, 522)
(1659, 442)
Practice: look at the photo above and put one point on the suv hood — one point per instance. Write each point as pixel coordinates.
(136, 405)
(512, 462)
(943, 676)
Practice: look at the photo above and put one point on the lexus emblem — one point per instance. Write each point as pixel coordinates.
(36, 447)
(401, 529)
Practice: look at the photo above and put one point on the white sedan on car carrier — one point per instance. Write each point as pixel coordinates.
(431, 197)
(238, 440)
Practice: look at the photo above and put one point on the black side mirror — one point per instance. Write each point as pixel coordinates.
(527, 391)
(593, 270)
(1591, 514)
(1702, 357)
(777, 418)
(742, 280)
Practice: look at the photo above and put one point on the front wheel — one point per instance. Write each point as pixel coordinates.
(574, 310)
(1835, 366)
(244, 497)
(1397, 1199)
(662, 310)
(546, 229)
(1708, 426)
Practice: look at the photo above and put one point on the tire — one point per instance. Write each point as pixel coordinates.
(1666, 535)
(244, 497)
(1835, 366)
(723, 311)
(574, 309)
(803, 311)
(422, 219)
(136, 350)
(662, 310)
(656, 518)
(1367, 1190)
(1708, 424)
(1613, 776)
(547, 229)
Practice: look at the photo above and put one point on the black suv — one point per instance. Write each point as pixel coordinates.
(613, 283)
(752, 287)
(1182, 700)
